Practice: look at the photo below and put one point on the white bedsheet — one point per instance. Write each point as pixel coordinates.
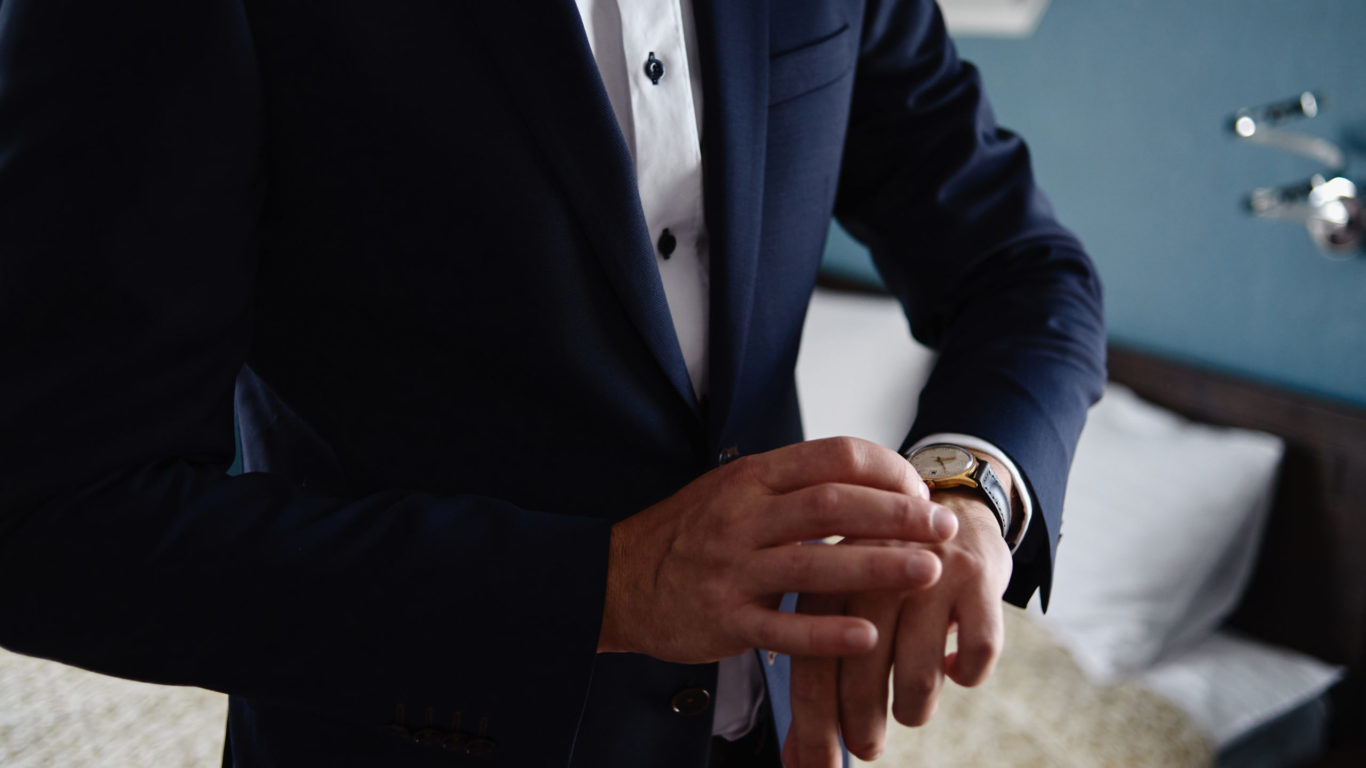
(1231, 684)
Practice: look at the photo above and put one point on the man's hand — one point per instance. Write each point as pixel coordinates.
(849, 695)
(698, 577)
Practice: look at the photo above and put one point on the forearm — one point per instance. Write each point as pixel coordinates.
(947, 203)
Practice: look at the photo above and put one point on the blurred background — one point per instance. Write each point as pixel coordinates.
(1126, 106)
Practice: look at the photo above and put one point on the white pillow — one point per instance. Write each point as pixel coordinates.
(1161, 527)
(859, 371)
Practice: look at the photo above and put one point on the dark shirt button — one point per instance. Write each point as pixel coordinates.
(728, 455)
(479, 746)
(654, 69)
(667, 243)
(428, 736)
(690, 701)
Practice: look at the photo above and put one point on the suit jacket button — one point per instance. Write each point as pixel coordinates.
(690, 701)
(727, 455)
(480, 746)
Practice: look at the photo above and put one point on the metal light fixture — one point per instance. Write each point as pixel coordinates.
(1327, 203)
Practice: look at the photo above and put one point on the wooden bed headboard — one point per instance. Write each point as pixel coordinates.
(1309, 589)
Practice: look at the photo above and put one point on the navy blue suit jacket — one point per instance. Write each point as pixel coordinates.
(404, 239)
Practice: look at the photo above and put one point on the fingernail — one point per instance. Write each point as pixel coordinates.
(944, 523)
(861, 636)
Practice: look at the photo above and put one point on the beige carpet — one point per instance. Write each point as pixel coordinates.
(1037, 711)
(55, 716)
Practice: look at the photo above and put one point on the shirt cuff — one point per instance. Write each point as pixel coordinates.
(1022, 508)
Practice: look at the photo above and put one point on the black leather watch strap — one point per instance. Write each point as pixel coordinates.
(995, 494)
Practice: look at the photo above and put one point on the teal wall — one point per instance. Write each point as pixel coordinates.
(1124, 104)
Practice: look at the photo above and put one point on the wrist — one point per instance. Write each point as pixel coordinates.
(614, 597)
(969, 508)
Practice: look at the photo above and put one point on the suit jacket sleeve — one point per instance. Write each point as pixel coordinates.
(130, 184)
(947, 203)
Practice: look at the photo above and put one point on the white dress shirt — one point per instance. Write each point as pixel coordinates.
(646, 52)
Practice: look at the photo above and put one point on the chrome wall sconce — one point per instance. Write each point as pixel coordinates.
(1327, 203)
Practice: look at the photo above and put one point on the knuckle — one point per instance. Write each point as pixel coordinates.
(817, 640)
(824, 635)
(909, 512)
(965, 563)
(718, 592)
(799, 562)
(900, 510)
(847, 453)
(919, 686)
(825, 502)
(764, 631)
(978, 650)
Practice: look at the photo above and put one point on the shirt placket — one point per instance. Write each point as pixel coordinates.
(668, 162)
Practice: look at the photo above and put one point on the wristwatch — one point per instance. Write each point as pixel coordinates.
(944, 465)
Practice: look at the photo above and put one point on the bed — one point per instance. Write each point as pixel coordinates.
(1300, 606)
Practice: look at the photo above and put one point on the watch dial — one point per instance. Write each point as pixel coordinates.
(935, 462)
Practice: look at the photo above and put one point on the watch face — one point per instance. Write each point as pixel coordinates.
(936, 462)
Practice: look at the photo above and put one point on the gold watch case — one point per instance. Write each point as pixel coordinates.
(942, 465)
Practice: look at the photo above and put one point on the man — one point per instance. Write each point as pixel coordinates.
(488, 446)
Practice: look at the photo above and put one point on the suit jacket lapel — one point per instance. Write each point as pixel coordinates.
(733, 45)
(551, 75)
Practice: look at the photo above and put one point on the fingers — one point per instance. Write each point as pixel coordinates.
(863, 679)
(918, 669)
(800, 634)
(813, 740)
(918, 488)
(853, 511)
(834, 460)
(981, 636)
(824, 569)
